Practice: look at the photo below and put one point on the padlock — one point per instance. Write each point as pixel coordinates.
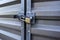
(27, 20)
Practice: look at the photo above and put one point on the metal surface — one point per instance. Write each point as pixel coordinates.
(46, 30)
(26, 16)
(43, 29)
(50, 8)
(5, 1)
(28, 26)
(43, 10)
(10, 3)
(22, 23)
(14, 36)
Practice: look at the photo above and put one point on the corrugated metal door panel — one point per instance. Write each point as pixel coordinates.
(50, 8)
(10, 23)
(3, 37)
(46, 28)
(43, 29)
(10, 26)
(37, 37)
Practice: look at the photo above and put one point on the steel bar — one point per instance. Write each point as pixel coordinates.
(28, 26)
(22, 12)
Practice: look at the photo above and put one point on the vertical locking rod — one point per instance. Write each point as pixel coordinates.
(23, 13)
(28, 26)
(26, 13)
(30, 15)
(22, 23)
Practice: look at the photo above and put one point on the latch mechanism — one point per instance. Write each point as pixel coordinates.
(25, 19)
(29, 18)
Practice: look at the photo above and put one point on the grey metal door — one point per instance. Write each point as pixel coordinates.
(47, 21)
(47, 17)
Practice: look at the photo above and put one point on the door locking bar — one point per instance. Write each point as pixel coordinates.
(30, 16)
(27, 18)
